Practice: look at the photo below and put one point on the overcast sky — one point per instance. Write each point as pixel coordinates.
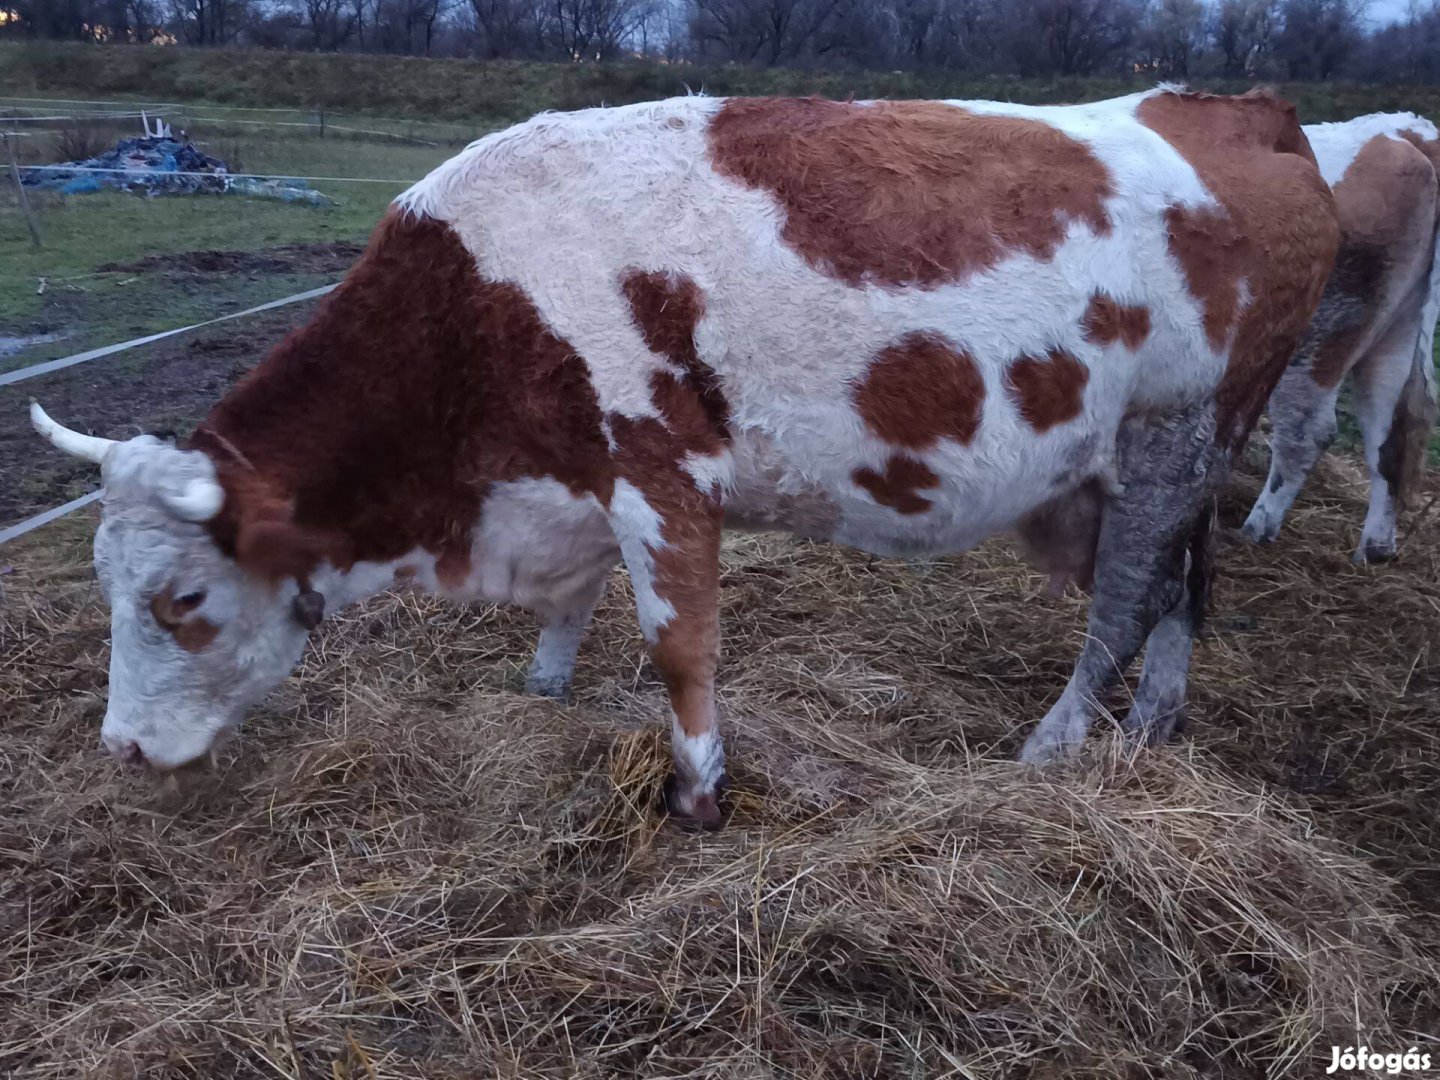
(1381, 12)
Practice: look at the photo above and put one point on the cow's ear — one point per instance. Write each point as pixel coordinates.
(277, 550)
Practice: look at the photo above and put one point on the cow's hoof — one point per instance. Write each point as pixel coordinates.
(1258, 533)
(554, 689)
(1047, 748)
(1372, 552)
(700, 813)
(1155, 725)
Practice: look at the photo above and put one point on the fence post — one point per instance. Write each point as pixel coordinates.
(20, 190)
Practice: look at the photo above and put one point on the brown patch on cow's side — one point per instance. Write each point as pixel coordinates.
(1047, 391)
(175, 615)
(1107, 321)
(667, 308)
(910, 192)
(899, 486)
(1211, 250)
(1274, 231)
(920, 390)
(377, 428)
(1386, 205)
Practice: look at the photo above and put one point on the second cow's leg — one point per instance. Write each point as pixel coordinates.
(1302, 422)
(1146, 531)
(669, 534)
(1380, 386)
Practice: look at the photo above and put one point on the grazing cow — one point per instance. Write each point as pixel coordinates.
(902, 326)
(1376, 320)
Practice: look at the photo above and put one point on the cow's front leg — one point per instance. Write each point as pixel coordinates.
(1148, 530)
(669, 535)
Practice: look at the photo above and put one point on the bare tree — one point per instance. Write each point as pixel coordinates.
(592, 29)
(1317, 37)
(1173, 36)
(506, 28)
(1243, 31)
(1070, 37)
(405, 26)
(765, 31)
(208, 22)
(1406, 51)
(329, 23)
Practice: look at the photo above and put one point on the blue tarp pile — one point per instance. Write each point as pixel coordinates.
(162, 166)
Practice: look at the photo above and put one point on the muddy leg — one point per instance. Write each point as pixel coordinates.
(1164, 469)
(1160, 699)
(1302, 418)
(553, 665)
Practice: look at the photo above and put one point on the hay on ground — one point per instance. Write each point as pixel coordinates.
(404, 868)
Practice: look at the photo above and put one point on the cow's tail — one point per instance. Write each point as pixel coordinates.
(1419, 404)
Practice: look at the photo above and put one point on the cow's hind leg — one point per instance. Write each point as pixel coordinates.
(1380, 385)
(1146, 532)
(1160, 699)
(553, 665)
(1302, 421)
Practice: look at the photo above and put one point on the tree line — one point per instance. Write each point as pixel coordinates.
(1264, 39)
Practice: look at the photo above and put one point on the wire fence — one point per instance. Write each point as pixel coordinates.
(35, 120)
(14, 532)
(217, 175)
(314, 117)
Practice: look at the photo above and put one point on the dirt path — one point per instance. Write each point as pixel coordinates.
(164, 388)
(333, 258)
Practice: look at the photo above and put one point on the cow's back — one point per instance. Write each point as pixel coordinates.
(918, 319)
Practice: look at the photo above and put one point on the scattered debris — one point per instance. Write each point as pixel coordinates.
(164, 166)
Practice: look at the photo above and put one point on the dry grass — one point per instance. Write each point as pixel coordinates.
(80, 142)
(404, 868)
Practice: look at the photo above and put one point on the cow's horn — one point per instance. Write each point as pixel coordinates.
(72, 442)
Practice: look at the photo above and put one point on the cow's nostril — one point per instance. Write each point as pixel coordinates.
(130, 754)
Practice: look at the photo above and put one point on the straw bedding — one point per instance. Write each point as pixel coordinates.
(405, 868)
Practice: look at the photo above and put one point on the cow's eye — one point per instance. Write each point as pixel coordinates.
(190, 600)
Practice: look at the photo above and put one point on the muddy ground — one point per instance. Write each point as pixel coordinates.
(333, 258)
(163, 389)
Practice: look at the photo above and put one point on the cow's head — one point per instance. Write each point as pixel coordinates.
(196, 638)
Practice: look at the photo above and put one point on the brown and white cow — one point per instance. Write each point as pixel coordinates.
(1376, 322)
(902, 326)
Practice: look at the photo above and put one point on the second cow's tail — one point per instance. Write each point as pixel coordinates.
(1416, 412)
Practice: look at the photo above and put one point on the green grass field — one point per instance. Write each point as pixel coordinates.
(82, 233)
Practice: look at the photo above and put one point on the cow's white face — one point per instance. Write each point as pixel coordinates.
(195, 640)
